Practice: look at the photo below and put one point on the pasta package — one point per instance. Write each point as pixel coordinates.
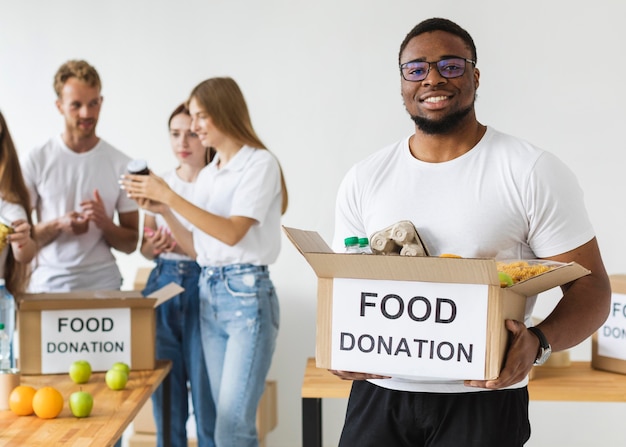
(521, 270)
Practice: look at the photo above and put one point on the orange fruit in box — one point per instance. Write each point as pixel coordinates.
(47, 402)
(21, 400)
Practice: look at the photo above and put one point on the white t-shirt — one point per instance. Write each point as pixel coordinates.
(59, 179)
(503, 199)
(10, 212)
(185, 190)
(249, 186)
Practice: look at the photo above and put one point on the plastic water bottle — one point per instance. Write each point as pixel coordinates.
(352, 245)
(7, 312)
(364, 246)
(5, 349)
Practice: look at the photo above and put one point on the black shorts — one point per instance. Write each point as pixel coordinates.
(379, 417)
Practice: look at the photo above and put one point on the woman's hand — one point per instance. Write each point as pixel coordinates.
(150, 187)
(160, 241)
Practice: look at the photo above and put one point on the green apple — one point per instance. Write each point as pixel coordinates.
(80, 371)
(505, 279)
(81, 403)
(116, 379)
(123, 366)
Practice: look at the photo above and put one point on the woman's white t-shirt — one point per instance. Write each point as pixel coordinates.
(249, 185)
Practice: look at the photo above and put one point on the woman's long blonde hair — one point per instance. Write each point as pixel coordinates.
(13, 189)
(223, 101)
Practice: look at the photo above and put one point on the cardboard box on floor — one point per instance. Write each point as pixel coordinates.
(608, 344)
(102, 327)
(414, 317)
(266, 420)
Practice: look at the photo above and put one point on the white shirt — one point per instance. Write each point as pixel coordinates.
(504, 199)
(59, 179)
(249, 185)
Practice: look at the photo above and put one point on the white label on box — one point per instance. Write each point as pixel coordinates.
(612, 334)
(409, 328)
(100, 336)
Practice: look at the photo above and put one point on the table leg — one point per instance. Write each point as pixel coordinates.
(166, 412)
(311, 422)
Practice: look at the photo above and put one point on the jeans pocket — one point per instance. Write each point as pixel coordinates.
(242, 285)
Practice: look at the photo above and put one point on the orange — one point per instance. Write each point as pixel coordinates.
(47, 402)
(449, 255)
(21, 400)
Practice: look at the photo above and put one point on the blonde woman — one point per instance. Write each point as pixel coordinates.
(235, 213)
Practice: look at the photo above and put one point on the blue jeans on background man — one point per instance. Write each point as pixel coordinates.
(178, 339)
(239, 317)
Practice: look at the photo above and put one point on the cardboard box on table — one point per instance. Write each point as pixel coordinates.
(102, 327)
(608, 344)
(415, 316)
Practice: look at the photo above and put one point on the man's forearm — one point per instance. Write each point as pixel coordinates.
(122, 239)
(46, 232)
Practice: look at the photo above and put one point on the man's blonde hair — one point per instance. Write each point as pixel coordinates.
(78, 69)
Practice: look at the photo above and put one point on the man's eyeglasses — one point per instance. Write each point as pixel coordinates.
(449, 68)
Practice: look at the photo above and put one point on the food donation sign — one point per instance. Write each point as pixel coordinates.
(409, 328)
(612, 334)
(100, 336)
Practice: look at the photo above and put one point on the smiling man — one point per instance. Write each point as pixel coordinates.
(73, 184)
(479, 193)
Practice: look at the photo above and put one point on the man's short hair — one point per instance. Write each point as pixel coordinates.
(439, 24)
(78, 69)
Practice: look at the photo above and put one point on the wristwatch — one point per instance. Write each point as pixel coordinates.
(544, 347)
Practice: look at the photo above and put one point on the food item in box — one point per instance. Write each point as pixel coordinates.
(400, 238)
(521, 270)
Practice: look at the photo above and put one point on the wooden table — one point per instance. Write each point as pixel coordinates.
(112, 411)
(578, 382)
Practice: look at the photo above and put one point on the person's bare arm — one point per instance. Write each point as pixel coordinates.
(22, 244)
(229, 230)
(584, 307)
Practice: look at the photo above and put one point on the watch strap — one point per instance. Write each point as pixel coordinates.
(544, 347)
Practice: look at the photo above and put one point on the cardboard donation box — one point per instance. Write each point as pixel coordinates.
(102, 327)
(608, 344)
(412, 317)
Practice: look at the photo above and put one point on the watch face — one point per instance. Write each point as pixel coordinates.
(544, 354)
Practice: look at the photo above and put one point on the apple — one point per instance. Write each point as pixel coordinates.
(116, 379)
(505, 279)
(80, 371)
(81, 403)
(123, 366)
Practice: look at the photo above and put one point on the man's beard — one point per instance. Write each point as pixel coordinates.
(442, 126)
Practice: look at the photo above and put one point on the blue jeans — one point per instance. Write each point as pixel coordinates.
(239, 317)
(178, 339)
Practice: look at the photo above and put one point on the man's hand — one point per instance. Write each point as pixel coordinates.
(73, 223)
(521, 355)
(94, 211)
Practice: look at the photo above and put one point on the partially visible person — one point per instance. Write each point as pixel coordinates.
(235, 214)
(18, 249)
(477, 192)
(178, 335)
(73, 184)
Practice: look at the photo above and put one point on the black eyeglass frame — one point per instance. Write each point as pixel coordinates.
(402, 66)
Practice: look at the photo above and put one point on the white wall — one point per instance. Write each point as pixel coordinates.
(322, 85)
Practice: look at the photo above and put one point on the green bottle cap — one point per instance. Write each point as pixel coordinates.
(352, 240)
